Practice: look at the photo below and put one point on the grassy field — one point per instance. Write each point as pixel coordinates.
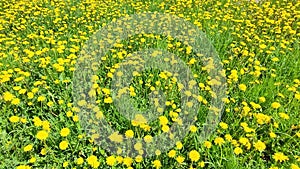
(257, 43)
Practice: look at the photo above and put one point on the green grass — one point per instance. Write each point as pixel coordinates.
(43, 50)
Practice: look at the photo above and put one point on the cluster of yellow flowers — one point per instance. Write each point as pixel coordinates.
(257, 42)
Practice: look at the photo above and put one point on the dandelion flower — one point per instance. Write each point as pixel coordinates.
(127, 161)
(64, 132)
(42, 135)
(7, 96)
(280, 157)
(28, 147)
(284, 116)
(156, 164)
(193, 128)
(194, 155)
(219, 141)
(111, 160)
(294, 166)
(237, 151)
(93, 161)
(129, 134)
(179, 145)
(172, 153)
(242, 87)
(79, 161)
(207, 144)
(223, 125)
(180, 159)
(14, 119)
(275, 105)
(260, 146)
(63, 145)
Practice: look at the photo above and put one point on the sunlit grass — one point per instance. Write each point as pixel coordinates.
(258, 44)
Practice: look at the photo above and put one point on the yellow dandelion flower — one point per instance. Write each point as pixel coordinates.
(180, 159)
(172, 153)
(23, 120)
(75, 118)
(138, 159)
(228, 137)
(223, 125)
(242, 87)
(207, 144)
(37, 121)
(79, 161)
(193, 128)
(219, 141)
(23, 167)
(32, 160)
(30, 95)
(50, 104)
(46, 125)
(273, 168)
(93, 161)
(69, 114)
(129, 134)
(63, 145)
(156, 164)
(275, 59)
(65, 164)
(148, 138)
(111, 160)
(44, 151)
(297, 96)
(262, 46)
(15, 101)
(28, 147)
(165, 128)
(262, 99)
(260, 146)
(275, 105)
(284, 116)
(108, 100)
(116, 137)
(138, 146)
(237, 151)
(127, 161)
(14, 119)
(272, 134)
(280, 157)
(42, 135)
(143, 40)
(201, 164)
(194, 155)
(7, 96)
(119, 159)
(41, 98)
(294, 166)
(179, 145)
(64, 132)
(163, 120)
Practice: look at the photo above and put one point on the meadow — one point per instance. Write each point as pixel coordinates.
(258, 44)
